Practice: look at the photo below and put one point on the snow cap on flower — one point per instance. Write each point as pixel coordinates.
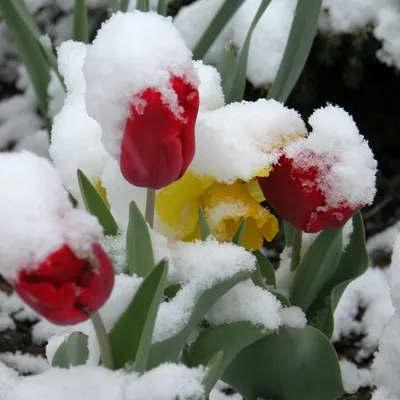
(321, 180)
(133, 52)
(241, 139)
(76, 137)
(49, 251)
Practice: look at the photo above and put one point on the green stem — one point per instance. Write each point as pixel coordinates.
(150, 201)
(102, 338)
(296, 248)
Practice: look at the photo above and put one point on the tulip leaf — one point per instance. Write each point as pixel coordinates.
(25, 34)
(227, 65)
(288, 231)
(239, 235)
(237, 90)
(213, 373)
(265, 267)
(169, 349)
(80, 30)
(291, 364)
(139, 248)
(205, 230)
(96, 206)
(221, 18)
(123, 5)
(298, 46)
(353, 263)
(228, 339)
(316, 268)
(162, 7)
(130, 338)
(72, 352)
(142, 5)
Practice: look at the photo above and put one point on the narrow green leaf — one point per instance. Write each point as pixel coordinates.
(288, 231)
(291, 364)
(168, 350)
(227, 66)
(222, 17)
(139, 248)
(130, 338)
(239, 235)
(353, 263)
(266, 268)
(96, 206)
(142, 5)
(205, 230)
(171, 290)
(237, 91)
(297, 49)
(123, 6)
(22, 31)
(81, 30)
(227, 339)
(72, 352)
(162, 7)
(113, 6)
(316, 268)
(213, 373)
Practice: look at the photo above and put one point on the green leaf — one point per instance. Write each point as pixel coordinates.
(142, 5)
(168, 350)
(265, 267)
(123, 6)
(227, 339)
(239, 235)
(353, 263)
(139, 248)
(96, 206)
(213, 373)
(72, 352)
(288, 231)
(237, 91)
(24, 34)
(226, 66)
(316, 268)
(130, 338)
(221, 18)
(81, 30)
(171, 290)
(113, 6)
(205, 230)
(291, 364)
(297, 49)
(162, 7)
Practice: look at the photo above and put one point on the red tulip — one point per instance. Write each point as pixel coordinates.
(65, 287)
(295, 194)
(157, 145)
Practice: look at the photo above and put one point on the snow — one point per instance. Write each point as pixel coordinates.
(350, 376)
(346, 164)
(76, 138)
(283, 275)
(31, 230)
(200, 266)
(293, 317)
(25, 363)
(8, 380)
(250, 132)
(166, 382)
(6, 321)
(136, 51)
(210, 89)
(247, 302)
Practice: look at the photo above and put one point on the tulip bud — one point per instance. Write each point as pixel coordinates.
(321, 180)
(145, 96)
(49, 251)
